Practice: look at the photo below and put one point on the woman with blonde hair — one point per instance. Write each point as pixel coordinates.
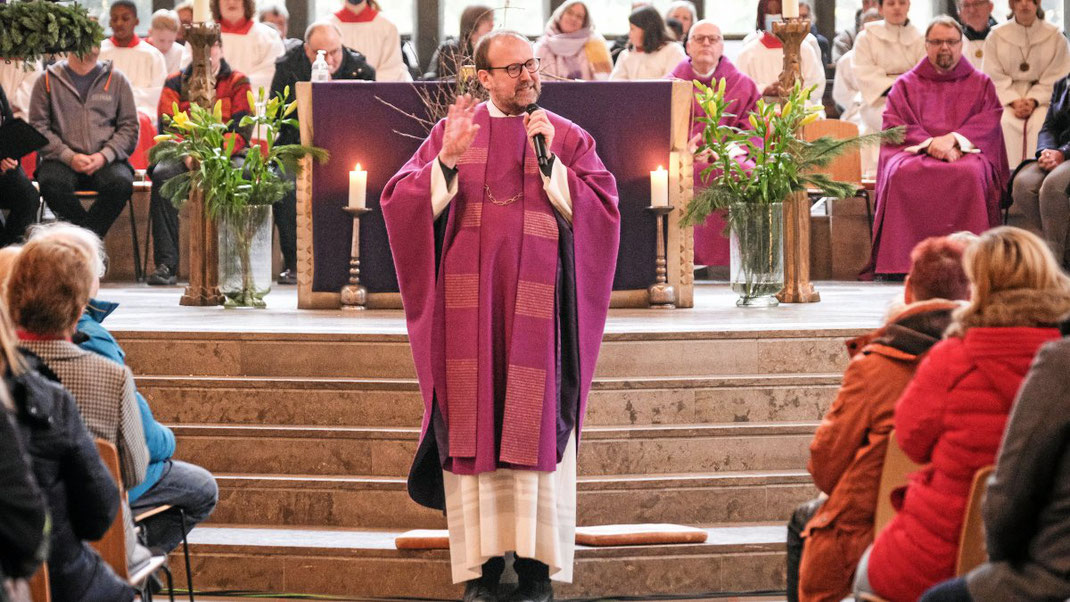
(952, 415)
(570, 47)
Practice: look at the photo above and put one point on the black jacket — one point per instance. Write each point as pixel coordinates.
(294, 67)
(23, 512)
(82, 497)
(1056, 130)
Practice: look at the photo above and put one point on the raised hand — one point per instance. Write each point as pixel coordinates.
(459, 130)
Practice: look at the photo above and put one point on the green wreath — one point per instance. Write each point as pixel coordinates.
(31, 29)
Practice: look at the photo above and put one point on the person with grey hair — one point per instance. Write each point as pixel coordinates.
(977, 22)
(296, 66)
(845, 40)
(806, 11)
(684, 12)
(276, 15)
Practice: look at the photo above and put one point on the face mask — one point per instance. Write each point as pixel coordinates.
(770, 19)
(355, 2)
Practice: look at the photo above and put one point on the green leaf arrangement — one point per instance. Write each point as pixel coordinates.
(779, 163)
(32, 29)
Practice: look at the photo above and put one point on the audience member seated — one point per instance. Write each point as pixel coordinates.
(17, 192)
(86, 110)
(977, 22)
(848, 450)
(163, 33)
(621, 42)
(49, 285)
(651, 53)
(184, 10)
(807, 12)
(846, 92)
(950, 171)
(708, 65)
(1025, 57)
(17, 83)
(845, 40)
(762, 56)
(249, 47)
(571, 48)
(1025, 510)
(476, 21)
(142, 64)
(24, 526)
(952, 415)
(296, 66)
(275, 14)
(367, 31)
(1040, 187)
(684, 12)
(233, 89)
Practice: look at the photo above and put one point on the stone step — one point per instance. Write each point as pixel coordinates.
(605, 450)
(397, 402)
(383, 502)
(623, 355)
(365, 564)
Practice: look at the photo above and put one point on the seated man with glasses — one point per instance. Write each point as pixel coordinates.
(949, 172)
(499, 254)
(706, 63)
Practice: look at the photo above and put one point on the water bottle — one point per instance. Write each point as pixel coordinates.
(320, 71)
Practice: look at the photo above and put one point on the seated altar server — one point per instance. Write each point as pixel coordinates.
(17, 82)
(977, 22)
(1025, 57)
(950, 171)
(367, 31)
(163, 34)
(762, 56)
(846, 91)
(141, 63)
(250, 48)
(505, 268)
(707, 64)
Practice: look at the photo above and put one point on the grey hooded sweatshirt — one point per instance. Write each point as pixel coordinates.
(105, 122)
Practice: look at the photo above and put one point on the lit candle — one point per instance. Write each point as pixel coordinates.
(791, 9)
(659, 187)
(358, 187)
(201, 11)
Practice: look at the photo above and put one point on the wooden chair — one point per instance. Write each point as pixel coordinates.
(112, 546)
(893, 475)
(972, 549)
(91, 195)
(848, 166)
(39, 588)
(141, 517)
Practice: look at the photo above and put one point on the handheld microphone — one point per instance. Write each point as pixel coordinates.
(540, 145)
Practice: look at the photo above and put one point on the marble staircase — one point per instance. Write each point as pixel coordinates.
(311, 436)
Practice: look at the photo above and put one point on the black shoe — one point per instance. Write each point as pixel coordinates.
(164, 275)
(477, 590)
(288, 276)
(533, 591)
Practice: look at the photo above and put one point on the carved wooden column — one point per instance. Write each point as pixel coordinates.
(797, 285)
(203, 288)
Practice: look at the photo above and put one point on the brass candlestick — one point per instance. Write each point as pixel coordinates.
(661, 294)
(354, 294)
(203, 288)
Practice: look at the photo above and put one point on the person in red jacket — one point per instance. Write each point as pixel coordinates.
(848, 449)
(953, 413)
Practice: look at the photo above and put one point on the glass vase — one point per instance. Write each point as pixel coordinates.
(245, 256)
(757, 253)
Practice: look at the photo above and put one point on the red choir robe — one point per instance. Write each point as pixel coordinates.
(711, 245)
(919, 196)
(505, 301)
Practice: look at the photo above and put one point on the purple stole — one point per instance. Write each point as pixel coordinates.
(531, 376)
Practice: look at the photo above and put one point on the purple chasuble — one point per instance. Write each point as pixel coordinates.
(711, 245)
(505, 301)
(919, 196)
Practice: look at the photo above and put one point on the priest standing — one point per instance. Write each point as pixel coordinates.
(951, 169)
(505, 268)
(708, 65)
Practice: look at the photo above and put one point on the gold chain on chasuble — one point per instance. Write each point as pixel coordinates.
(502, 202)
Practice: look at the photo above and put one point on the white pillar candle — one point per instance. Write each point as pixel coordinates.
(791, 9)
(659, 187)
(358, 187)
(201, 11)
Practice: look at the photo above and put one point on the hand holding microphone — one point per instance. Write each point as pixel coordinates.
(541, 133)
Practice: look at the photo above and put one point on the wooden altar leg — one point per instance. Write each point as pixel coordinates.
(797, 285)
(203, 288)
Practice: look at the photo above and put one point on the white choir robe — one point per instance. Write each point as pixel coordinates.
(144, 66)
(1045, 50)
(378, 40)
(17, 83)
(974, 51)
(764, 65)
(846, 93)
(809, 39)
(173, 58)
(252, 54)
(633, 65)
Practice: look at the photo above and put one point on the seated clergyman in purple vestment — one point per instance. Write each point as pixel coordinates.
(708, 65)
(505, 269)
(950, 172)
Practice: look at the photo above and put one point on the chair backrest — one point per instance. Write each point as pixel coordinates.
(112, 547)
(39, 589)
(972, 549)
(893, 475)
(848, 166)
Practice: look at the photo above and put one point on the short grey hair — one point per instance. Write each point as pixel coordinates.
(78, 236)
(946, 21)
(278, 9)
(318, 25)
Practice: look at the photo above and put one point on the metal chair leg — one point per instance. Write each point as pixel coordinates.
(138, 274)
(185, 552)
